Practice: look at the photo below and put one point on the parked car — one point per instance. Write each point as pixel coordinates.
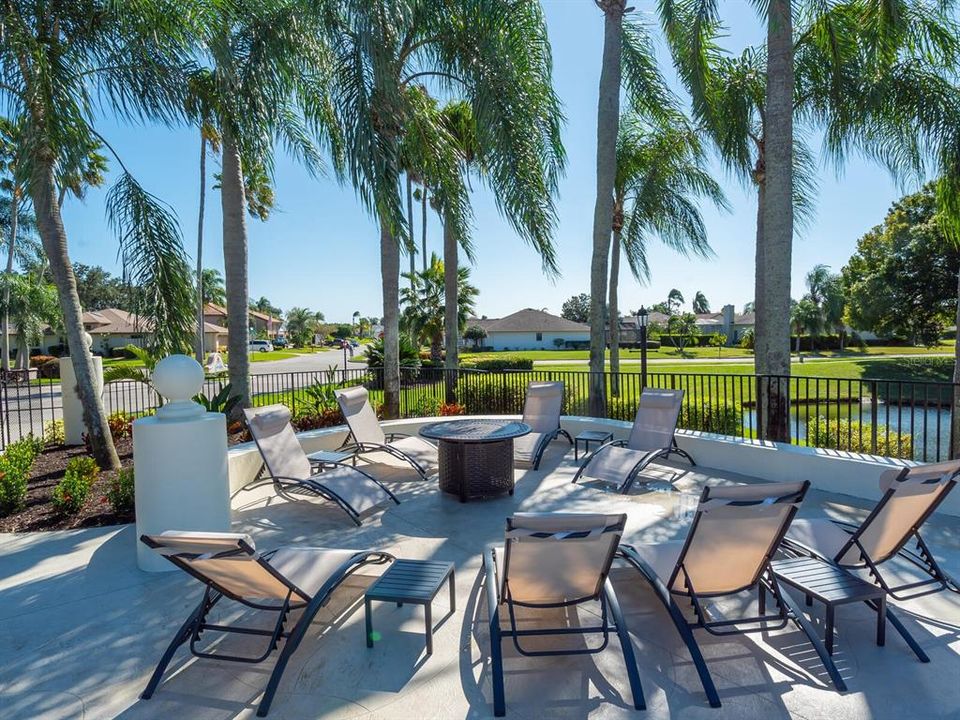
(280, 342)
(260, 346)
(354, 343)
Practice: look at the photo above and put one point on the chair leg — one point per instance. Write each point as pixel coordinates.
(626, 645)
(183, 634)
(679, 621)
(800, 619)
(902, 630)
(496, 639)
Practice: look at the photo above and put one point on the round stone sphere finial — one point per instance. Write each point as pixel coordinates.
(178, 378)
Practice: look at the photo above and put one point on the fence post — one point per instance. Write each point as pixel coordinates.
(874, 416)
(758, 404)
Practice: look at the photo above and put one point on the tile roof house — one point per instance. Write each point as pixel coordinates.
(112, 328)
(727, 322)
(531, 329)
(260, 322)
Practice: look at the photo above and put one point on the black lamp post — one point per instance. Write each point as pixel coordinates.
(642, 328)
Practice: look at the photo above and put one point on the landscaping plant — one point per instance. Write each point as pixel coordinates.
(71, 492)
(15, 466)
(120, 492)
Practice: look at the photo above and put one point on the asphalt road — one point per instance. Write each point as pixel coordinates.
(305, 363)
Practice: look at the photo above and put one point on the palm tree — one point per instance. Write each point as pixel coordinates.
(674, 301)
(57, 63)
(701, 305)
(302, 324)
(423, 316)
(496, 54)
(211, 285)
(355, 320)
(805, 316)
(31, 304)
(266, 60)
(661, 172)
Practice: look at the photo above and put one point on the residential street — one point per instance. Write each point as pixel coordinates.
(305, 363)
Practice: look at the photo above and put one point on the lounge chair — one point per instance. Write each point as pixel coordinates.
(541, 411)
(290, 468)
(367, 440)
(554, 560)
(228, 564)
(651, 438)
(909, 497)
(727, 551)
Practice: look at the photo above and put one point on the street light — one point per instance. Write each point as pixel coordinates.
(642, 328)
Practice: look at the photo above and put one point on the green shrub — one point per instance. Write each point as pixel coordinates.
(54, 433)
(501, 364)
(310, 419)
(746, 341)
(121, 424)
(497, 394)
(426, 406)
(721, 419)
(15, 466)
(71, 492)
(120, 492)
(854, 436)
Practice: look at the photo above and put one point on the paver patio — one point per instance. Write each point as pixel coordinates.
(81, 627)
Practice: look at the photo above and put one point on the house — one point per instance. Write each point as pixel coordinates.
(260, 323)
(114, 328)
(531, 330)
(726, 322)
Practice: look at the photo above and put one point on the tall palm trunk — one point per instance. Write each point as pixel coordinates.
(423, 223)
(233, 202)
(451, 309)
(203, 199)
(390, 276)
(413, 254)
(608, 121)
(614, 312)
(43, 191)
(775, 241)
(14, 219)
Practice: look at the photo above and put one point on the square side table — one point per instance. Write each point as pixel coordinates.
(589, 436)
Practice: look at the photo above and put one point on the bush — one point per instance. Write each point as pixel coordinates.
(499, 394)
(71, 492)
(54, 433)
(854, 436)
(746, 342)
(120, 492)
(308, 419)
(38, 360)
(49, 370)
(501, 364)
(426, 406)
(121, 424)
(721, 419)
(448, 409)
(15, 466)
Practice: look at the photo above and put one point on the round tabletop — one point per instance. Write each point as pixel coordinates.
(474, 430)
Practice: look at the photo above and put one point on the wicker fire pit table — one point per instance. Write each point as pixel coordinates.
(476, 456)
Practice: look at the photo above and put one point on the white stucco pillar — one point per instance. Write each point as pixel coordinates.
(180, 462)
(73, 426)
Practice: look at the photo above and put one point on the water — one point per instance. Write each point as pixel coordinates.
(929, 426)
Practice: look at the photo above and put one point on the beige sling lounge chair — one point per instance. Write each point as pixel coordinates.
(228, 564)
(909, 497)
(727, 551)
(652, 437)
(291, 469)
(554, 560)
(541, 411)
(368, 438)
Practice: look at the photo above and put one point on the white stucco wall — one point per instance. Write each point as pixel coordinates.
(528, 340)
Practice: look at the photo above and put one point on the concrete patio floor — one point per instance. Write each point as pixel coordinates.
(81, 627)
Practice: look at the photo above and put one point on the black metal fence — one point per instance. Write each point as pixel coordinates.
(883, 417)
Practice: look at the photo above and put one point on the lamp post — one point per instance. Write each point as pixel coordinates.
(642, 328)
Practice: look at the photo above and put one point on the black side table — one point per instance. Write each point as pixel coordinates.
(587, 437)
(411, 581)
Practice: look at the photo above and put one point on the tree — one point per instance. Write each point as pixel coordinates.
(674, 301)
(577, 308)
(701, 305)
(901, 280)
(423, 315)
(61, 66)
(211, 284)
(805, 317)
(683, 330)
(98, 289)
(496, 54)
(661, 173)
(31, 305)
(302, 325)
(476, 335)
(825, 290)
(263, 305)
(718, 340)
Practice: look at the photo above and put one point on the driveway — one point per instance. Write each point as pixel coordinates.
(305, 363)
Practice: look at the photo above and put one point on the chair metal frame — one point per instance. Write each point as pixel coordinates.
(358, 449)
(763, 581)
(639, 466)
(545, 441)
(609, 608)
(196, 624)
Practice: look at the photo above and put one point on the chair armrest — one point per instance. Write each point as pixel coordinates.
(493, 582)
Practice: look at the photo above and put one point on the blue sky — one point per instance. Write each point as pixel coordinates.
(319, 249)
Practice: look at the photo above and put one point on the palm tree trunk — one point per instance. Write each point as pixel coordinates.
(14, 219)
(43, 190)
(614, 312)
(423, 222)
(390, 275)
(775, 243)
(451, 310)
(608, 121)
(233, 203)
(413, 254)
(203, 198)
